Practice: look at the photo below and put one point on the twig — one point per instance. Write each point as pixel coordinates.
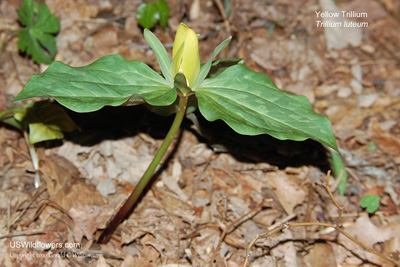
(24, 233)
(221, 238)
(283, 227)
(16, 70)
(222, 11)
(8, 215)
(9, 35)
(39, 191)
(337, 181)
(228, 229)
(375, 62)
(339, 219)
(284, 220)
(171, 220)
(103, 25)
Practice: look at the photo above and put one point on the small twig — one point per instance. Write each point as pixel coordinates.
(196, 233)
(228, 229)
(375, 62)
(283, 227)
(103, 25)
(283, 221)
(337, 181)
(8, 215)
(50, 203)
(24, 233)
(222, 11)
(16, 70)
(39, 191)
(339, 219)
(9, 35)
(221, 238)
(353, 174)
(171, 220)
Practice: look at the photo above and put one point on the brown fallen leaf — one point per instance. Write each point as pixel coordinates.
(101, 262)
(63, 185)
(87, 219)
(384, 139)
(286, 189)
(320, 255)
(370, 235)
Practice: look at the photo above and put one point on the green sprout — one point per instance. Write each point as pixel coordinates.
(339, 171)
(39, 121)
(370, 202)
(246, 100)
(148, 14)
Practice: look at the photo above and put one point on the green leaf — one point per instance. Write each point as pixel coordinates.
(40, 132)
(181, 84)
(50, 115)
(161, 54)
(227, 9)
(147, 15)
(46, 121)
(111, 80)
(339, 170)
(370, 202)
(37, 39)
(163, 10)
(219, 65)
(8, 116)
(251, 104)
(205, 68)
(173, 108)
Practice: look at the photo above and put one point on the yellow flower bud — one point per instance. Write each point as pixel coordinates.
(185, 55)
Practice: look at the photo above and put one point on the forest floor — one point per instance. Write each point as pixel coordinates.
(217, 190)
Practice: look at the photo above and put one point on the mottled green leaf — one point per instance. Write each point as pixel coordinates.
(251, 104)
(111, 80)
(219, 65)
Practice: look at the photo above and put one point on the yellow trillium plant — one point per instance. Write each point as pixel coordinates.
(223, 89)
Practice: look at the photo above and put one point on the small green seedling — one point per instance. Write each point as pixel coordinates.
(37, 39)
(372, 146)
(39, 121)
(247, 101)
(148, 14)
(370, 202)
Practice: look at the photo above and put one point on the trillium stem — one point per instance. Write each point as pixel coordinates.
(146, 178)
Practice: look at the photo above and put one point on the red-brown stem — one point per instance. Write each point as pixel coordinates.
(146, 178)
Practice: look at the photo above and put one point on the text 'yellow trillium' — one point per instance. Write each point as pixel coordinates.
(185, 55)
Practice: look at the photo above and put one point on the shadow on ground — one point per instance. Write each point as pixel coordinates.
(112, 123)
